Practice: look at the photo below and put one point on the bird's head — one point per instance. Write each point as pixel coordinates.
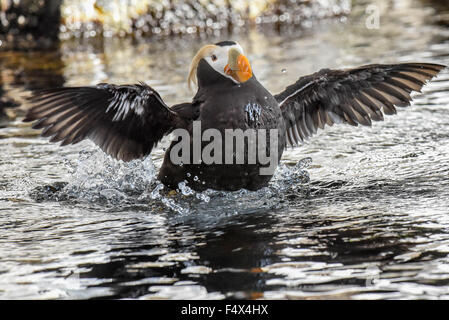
(226, 58)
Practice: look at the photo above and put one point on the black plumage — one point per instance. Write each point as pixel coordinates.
(116, 118)
(354, 96)
(127, 121)
(221, 105)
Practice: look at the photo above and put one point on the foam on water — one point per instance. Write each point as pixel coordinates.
(96, 178)
(372, 223)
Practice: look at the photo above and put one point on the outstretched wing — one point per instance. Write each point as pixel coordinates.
(125, 121)
(354, 96)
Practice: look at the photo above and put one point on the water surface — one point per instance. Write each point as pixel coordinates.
(356, 213)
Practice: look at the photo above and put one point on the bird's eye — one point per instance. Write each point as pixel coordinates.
(214, 57)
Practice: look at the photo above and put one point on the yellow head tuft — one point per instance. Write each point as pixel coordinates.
(203, 52)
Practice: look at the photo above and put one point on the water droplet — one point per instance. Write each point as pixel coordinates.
(155, 193)
(185, 190)
(203, 197)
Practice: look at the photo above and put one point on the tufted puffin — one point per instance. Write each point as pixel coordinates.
(127, 121)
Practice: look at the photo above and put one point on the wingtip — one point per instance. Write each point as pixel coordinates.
(36, 94)
(27, 119)
(436, 67)
(30, 116)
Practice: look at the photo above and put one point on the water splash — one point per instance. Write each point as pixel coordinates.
(253, 111)
(157, 194)
(289, 178)
(97, 179)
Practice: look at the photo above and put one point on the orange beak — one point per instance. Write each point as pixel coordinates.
(238, 66)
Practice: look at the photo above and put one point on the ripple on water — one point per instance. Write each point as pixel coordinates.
(366, 219)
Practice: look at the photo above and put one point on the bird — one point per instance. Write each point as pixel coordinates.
(128, 121)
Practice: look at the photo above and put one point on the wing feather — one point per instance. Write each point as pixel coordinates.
(125, 121)
(354, 96)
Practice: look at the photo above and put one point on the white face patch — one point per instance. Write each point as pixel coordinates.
(218, 58)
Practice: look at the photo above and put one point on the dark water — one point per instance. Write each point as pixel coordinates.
(363, 215)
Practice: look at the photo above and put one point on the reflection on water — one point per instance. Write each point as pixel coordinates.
(363, 215)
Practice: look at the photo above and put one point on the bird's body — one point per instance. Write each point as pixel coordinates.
(128, 121)
(222, 105)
